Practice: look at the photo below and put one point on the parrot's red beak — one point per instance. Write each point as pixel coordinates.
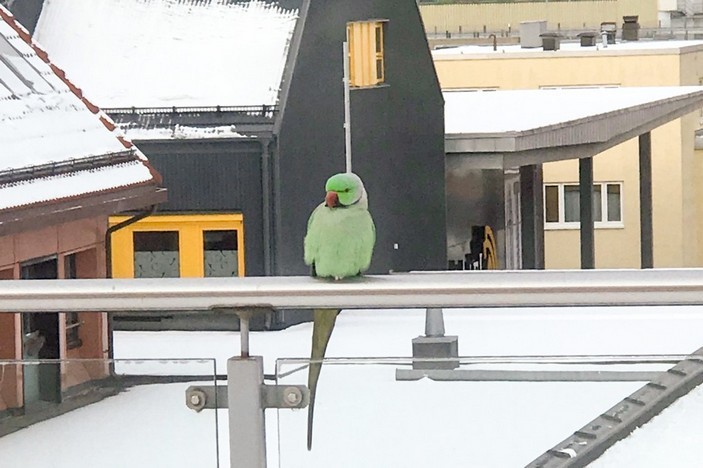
(332, 200)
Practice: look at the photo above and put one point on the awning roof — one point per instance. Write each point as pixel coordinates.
(516, 128)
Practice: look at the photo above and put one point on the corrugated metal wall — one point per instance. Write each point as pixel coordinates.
(569, 14)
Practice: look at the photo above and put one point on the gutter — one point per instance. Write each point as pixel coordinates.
(108, 271)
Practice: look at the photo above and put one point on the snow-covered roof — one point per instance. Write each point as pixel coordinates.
(516, 128)
(155, 53)
(54, 143)
(494, 112)
(567, 48)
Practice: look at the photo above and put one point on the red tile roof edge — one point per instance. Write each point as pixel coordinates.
(9, 18)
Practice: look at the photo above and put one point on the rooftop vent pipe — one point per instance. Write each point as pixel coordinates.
(610, 28)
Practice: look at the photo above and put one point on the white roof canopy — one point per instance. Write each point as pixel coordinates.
(515, 128)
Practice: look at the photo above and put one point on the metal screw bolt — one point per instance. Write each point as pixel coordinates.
(293, 396)
(195, 399)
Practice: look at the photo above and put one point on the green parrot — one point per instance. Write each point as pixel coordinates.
(339, 244)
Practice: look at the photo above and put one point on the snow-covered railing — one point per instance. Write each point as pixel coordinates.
(262, 110)
(403, 290)
(22, 174)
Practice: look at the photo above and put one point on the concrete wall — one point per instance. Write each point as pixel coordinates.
(676, 172)
(570, 15)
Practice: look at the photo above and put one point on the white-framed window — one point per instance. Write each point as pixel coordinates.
(562, 205)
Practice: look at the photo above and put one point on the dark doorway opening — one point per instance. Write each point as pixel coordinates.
(40, 332)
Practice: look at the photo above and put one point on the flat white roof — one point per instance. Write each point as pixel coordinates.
(568, 48)
(515, 128)
(492, 112)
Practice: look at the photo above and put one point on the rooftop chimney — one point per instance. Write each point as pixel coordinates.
(630, 28)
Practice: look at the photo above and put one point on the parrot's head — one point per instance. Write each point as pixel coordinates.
(345, 189)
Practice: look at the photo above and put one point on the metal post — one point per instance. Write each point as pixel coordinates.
(646, 228)
(586, 209)
(532, 217)
(244, 334)
(247, 430)
(434, 322)
(347, 109)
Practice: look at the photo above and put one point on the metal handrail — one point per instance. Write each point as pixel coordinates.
(407, 290)
(245, 376)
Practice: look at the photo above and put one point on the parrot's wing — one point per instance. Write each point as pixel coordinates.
(323, 324)
(311, 244)
(367, 242)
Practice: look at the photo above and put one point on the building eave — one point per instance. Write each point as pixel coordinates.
(24, 219)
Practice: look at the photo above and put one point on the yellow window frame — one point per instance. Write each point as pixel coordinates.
(366, 53)
(190, 230)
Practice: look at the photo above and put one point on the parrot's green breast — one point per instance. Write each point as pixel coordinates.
(340, 241)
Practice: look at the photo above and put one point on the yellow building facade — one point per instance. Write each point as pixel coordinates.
(563, 14)
(677, 170)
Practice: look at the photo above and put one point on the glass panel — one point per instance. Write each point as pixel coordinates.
(572, 207)
(597, 207)
(614, 210)
(131, 413)
(379, 70)
(551, 203)
(403, 413)
(156, 254)
(220, 253)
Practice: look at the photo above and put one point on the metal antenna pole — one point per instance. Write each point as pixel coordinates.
(347, 108)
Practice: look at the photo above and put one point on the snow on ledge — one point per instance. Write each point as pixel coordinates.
(181, 132)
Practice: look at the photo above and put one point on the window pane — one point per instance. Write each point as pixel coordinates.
(379, 70)
(156, 254)
(551, 203)
(220, 253)
(597, 207)
(572, 209)
(614, 209)
(379, 39)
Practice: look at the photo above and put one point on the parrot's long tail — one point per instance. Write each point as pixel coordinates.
(323, 324)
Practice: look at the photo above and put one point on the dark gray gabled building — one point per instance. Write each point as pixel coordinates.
(240, 106)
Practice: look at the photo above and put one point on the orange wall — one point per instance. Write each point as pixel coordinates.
(85, 238)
